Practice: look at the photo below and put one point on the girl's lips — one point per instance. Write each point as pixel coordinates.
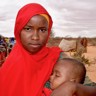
(35, 45)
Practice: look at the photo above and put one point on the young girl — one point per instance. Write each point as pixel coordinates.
(30, 62)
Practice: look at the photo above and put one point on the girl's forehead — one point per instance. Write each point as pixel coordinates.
(38, 18)
(37, 21)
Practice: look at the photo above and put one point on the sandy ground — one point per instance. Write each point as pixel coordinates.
(91, 55)
(91, 70)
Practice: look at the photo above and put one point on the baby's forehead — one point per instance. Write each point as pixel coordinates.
(64, 64)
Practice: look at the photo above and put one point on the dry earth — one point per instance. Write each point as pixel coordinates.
(91, 69)
(91, 55)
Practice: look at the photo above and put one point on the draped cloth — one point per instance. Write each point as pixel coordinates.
(23, 73)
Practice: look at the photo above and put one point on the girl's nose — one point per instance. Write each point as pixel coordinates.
(35, 35)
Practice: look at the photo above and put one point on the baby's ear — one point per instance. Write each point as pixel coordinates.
(73, 80)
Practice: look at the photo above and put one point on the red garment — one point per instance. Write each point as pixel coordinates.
(46, 92)
(24, 74)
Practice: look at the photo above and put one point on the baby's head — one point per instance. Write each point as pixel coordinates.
(67, 69)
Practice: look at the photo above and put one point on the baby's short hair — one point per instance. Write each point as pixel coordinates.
(79, 68)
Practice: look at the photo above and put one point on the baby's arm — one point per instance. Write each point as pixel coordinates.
(71, 89)
(85, 90)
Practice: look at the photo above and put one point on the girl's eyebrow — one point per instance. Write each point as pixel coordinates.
(32, 26)
(28, 25)
(43, 27)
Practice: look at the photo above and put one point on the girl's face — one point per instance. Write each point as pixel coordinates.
(34, 35)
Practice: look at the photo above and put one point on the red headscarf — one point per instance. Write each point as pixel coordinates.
(25, 74)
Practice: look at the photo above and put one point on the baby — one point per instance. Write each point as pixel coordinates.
(66, 69)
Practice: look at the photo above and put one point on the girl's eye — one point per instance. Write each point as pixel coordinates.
(43, 30)
(27, 29)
